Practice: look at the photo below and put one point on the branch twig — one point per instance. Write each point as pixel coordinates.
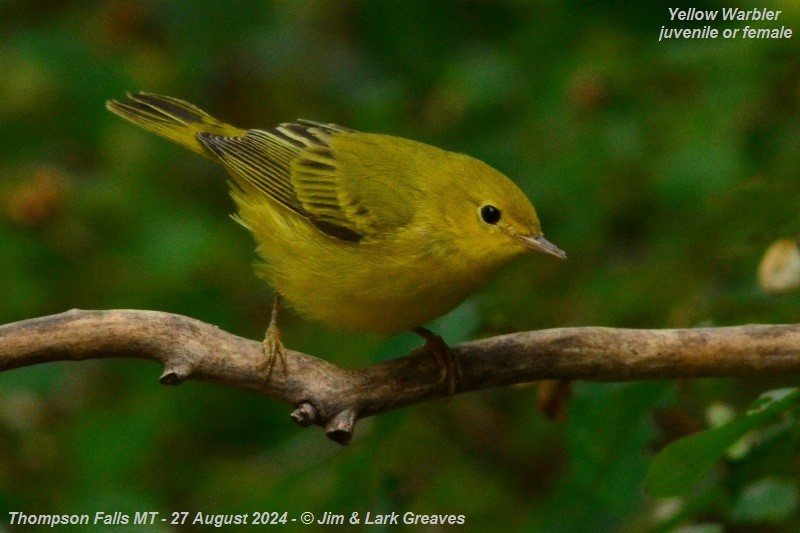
(335, 398)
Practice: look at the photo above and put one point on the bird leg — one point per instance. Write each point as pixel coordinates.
(449, 367)
(273, 347)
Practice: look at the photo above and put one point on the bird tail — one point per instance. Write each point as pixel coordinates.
(172, 119)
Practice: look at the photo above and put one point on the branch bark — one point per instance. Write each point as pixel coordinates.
(335, 398)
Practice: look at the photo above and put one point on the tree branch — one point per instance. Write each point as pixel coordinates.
(335, 398)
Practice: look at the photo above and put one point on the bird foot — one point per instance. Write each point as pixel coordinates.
(449, 367)
(273, 351)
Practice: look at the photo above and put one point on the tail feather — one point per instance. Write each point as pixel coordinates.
(171, 118)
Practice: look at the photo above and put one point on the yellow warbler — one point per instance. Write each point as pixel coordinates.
(360, 231)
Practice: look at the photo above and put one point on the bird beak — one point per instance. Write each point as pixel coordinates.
(540, 244)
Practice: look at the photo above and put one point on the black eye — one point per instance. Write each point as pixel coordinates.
(490, 214)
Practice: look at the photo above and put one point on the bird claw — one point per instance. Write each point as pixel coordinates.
(449, 366)
(273, 351)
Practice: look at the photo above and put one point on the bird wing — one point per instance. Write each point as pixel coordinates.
(296, 165)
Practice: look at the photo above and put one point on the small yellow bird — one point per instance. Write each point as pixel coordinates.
(357, 230)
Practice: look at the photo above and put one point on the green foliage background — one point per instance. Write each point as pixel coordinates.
(664, 169)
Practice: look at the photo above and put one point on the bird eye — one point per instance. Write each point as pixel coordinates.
(490, 214)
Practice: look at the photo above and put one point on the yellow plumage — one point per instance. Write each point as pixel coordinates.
(360, 231)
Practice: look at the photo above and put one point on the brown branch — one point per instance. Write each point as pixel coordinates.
(335, 398)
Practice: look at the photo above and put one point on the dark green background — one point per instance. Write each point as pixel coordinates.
(663, 169)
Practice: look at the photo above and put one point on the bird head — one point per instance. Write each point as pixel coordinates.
(491, 215)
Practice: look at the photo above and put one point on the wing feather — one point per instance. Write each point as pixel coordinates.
(297, 165)
(292, 164)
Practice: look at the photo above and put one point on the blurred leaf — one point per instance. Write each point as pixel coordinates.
(680, 464)
(603, 484)
(700, 528)
(767, 500)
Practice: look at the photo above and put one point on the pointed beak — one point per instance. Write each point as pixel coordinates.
(540, 244)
